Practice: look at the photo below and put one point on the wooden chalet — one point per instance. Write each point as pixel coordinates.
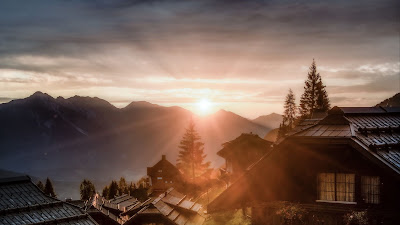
(163, 175)
(243, 151)
(346, 163)
(22, 202)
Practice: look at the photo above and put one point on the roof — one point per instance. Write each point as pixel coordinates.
(174, 207)
(244, 143)
(376, 129)
(114, 208)
(164, 165)
(22, 202)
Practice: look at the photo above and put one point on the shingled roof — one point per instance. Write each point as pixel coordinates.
(243, 144)
(173, 207)
(22, 202)
(375, 129)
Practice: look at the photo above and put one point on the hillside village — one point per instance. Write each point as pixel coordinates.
(323, 165)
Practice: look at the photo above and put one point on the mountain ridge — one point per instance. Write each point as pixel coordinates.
(78, 137)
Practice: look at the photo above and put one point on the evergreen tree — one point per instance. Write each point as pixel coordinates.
(48, 188)
(87, 189)
(315, 95)
(113, 190)
(323, 100)
(131, 189)
(122, 186)
(141, 193)
(105, 192)
(191, 156)
(40, 185)
(289, 116)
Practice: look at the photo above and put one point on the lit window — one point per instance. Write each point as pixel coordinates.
(166, 182)
(171, 181)
(159, 171)
(336, 187)
(159, 178)
(326, 183)
(370, 190)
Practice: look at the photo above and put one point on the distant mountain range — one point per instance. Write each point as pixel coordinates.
(272, 120)
(83, 137)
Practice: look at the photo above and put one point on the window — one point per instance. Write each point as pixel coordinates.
(170, 182)
(370, 189)
(338, 187)
(159, 178)
(166, 182)
(160, 171)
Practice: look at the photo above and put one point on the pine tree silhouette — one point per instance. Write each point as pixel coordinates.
(48, 188)
(191, 156)
(315, 95)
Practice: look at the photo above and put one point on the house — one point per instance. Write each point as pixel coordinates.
(346, 163)
(22, 202)
(163, 175)
(169, 208)
(243, 151)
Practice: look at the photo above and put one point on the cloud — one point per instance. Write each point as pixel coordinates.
(250, 50)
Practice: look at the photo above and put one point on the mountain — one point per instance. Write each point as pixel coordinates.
(83, 137)
(271, 121)
(393, 101)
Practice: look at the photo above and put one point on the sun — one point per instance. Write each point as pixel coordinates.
(204, 106)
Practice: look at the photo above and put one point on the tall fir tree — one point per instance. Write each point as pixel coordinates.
(113, 190)
(323, 103)
(131, 189)
(87, 189)
(289, 116)
(315, 95)
(122, 186)
(191, 156)
(48, 188)
(105, 192)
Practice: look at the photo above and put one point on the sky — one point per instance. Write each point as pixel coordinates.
(241, 56)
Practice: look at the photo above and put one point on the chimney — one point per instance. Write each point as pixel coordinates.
(163, 157)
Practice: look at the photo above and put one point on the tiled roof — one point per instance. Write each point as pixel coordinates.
(20, 195)
(377, 128)
(22, 202)
(326, 131)
(175, 207)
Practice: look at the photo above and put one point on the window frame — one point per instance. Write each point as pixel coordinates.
(376, 198)
(335, 192)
